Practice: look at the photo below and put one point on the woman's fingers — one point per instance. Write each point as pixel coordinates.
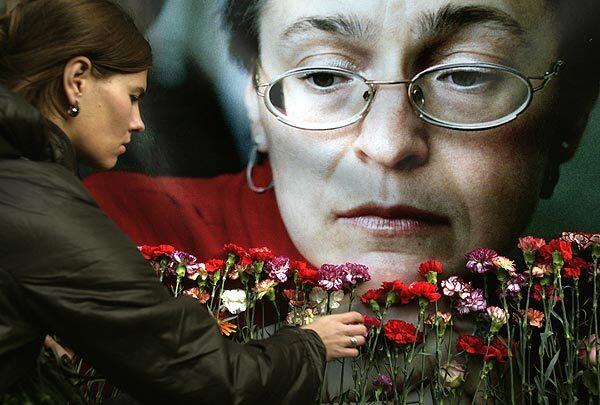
(342, 334)
(350, 317)
(355, 330)
(347, 352)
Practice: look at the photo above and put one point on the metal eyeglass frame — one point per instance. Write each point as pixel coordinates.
(263, 88)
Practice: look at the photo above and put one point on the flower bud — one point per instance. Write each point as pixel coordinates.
(453, 375)
(498, 316)
(588, 351)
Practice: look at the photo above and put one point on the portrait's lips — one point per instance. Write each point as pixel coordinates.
(391, 221)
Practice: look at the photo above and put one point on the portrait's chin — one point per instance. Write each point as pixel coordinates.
(390, 266)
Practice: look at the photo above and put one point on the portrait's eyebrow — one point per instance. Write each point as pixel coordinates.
(450, 19)
(342, 25)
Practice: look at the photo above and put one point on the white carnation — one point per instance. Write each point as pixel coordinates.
(234, 301)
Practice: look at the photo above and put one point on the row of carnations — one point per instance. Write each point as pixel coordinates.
(510, 313)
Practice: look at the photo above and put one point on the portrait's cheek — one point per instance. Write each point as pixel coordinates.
(301, 162)
(498, 180)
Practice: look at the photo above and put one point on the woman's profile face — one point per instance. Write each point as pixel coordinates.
(110, 113)
(391, 191)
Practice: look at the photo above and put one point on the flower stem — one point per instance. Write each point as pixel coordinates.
(509, 343)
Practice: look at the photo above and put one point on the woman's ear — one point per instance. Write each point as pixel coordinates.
(76, 76)
(257, 129)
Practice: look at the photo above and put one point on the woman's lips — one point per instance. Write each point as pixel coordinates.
(391, 221)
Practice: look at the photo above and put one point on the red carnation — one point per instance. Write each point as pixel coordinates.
(291, 295)
(430, 266)
(232, 248)
(469, 344)
(370, 322)
(556, 245)
(261, 254)
(154, 252)
(214, 265)
(388, 286)
(496, 351)
(402, 332)
(245, 260)
(373, 295)
(403, 292)
(306, 273)
(424, 289)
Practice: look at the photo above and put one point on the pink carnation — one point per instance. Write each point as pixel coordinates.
(278, 268)
(480, 260)
(530, 244)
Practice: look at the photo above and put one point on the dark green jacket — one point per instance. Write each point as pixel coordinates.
(66, 269)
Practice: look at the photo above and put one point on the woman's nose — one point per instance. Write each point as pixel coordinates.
(137, 124)
(391, 134)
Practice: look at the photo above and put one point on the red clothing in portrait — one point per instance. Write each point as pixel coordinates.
(197, 215)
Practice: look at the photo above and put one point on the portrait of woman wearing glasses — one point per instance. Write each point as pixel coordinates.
(394, 131)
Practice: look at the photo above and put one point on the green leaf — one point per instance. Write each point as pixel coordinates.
(551, 366)
(589, 380)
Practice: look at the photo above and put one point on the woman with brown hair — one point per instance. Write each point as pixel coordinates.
(66, 269)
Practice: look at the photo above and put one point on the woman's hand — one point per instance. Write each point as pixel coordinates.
(341, 334)
(58, 350)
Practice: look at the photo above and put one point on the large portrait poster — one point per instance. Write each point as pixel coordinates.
(381, 132)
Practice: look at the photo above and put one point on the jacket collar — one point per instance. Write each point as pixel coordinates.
(24, 133)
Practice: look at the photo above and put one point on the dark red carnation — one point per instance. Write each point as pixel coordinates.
(387, 286)
(290, 294)
(430, 266)
(571, 272)
(306, 273)
(378, 295)
(469, 344)
(536, 292)
(423, 289)
(402, 332)
(573, 268)
(497, 351)
(154, 252)
(232, 248)
(214, 265)
(261, 254)
(370, 322)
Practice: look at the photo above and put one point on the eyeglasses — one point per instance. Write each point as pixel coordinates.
(462, 96)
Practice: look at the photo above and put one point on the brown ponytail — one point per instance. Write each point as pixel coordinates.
(38, 38)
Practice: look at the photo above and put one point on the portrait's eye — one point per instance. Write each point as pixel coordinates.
(469, 79)
(324, 80)
(465, 78)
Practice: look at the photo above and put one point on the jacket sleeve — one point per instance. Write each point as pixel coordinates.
(84, 280)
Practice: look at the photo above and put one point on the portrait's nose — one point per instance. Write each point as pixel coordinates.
(137, 124)
(391, 134)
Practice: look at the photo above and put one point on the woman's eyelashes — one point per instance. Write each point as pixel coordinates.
(135, 98)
